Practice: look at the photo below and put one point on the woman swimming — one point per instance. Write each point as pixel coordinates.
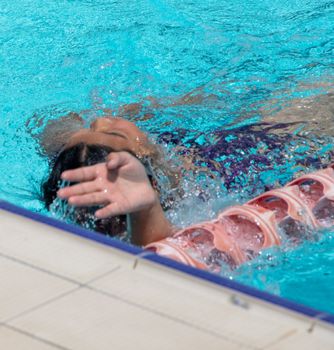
(123, 144)
(69, 145)
(116, 180)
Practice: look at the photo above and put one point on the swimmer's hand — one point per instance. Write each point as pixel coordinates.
(121, 186)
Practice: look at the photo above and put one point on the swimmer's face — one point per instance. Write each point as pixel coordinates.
(117, 133)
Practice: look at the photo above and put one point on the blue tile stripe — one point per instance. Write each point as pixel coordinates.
(136, 251)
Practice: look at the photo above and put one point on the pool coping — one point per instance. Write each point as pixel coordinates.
(150, 256)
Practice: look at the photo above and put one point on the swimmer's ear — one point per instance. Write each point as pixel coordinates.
(57, 131)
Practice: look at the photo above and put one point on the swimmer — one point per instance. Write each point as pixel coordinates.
(69, 144)
(107, 163)
(126, 149)
(110, 175)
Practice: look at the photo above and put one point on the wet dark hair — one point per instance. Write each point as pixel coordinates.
(75, 157)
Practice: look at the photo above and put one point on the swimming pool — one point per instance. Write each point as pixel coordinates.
(255, 57)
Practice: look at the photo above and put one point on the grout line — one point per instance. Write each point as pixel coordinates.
(101, 276)
(57, 297)
(33, 336)
(51, 273)
(54, 274)
(276, 341)
(44, 303)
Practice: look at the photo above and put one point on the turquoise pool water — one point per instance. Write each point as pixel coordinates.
(250, 59)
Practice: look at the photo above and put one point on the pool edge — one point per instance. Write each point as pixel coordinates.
(150, 256)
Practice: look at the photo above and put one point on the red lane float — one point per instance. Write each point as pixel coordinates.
(242, 231)
(317, 191)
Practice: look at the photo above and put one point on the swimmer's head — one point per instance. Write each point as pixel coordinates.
(73, 157)
(114, 132)
(92, 145)
(123, 135)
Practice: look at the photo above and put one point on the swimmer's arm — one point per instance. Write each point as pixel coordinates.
(196, 96)
(149, 225)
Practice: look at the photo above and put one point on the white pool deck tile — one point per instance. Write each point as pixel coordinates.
(55, 251)
(10, 339)
(61, 291)
(23, 287)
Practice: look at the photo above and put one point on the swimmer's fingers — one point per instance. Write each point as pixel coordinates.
(87, 173)
(112, 209)
(87, 200)
(80, 189)
(118, 159)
